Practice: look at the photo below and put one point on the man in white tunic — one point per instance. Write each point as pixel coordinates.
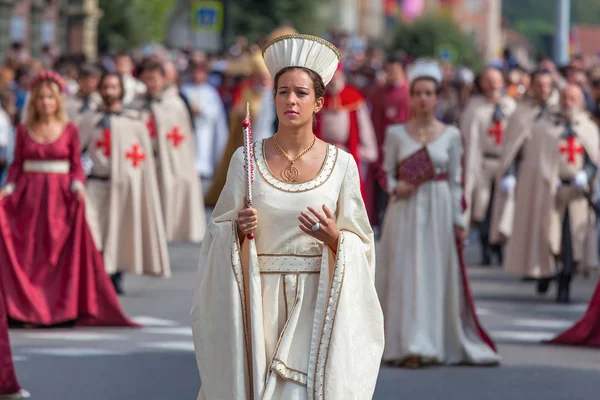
(483, 124)
(210, 121)
(87, 98)
(170, 130)
(133, 87)
(123, 203)
(555, 173)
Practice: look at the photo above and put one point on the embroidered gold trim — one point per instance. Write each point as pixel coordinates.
(287, 321)
(337, 282)
(289, 374)
(284, 273)
(289, 264)
(302, 36)
(239, 278)
(322, 177)
(291, 255)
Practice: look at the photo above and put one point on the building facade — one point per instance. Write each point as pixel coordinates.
(69, 25)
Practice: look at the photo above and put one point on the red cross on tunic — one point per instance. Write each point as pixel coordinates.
(135, 155)
(151, 125)
(496, 131)
(572, 148)
(104, 143)
(175, 136)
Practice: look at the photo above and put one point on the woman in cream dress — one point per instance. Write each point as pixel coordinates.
(421, 280)
(293, 313)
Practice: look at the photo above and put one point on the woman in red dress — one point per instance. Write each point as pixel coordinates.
(586, 332)
(9, 386)
(51, 271)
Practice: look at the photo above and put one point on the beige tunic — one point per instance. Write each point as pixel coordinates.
(75, 106)
(541, 199)
(178, 183)
(518, 131)
(123, 204)
(336, 128)
(483, 147)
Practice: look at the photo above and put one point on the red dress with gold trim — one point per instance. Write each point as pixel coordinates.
(51, 271)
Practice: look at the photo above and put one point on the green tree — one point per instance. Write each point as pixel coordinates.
(535, 19)
(128, 23)
(255, 18)
(423, 37)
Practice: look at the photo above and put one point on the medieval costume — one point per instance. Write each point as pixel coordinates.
(123, 206)
(518, 131)
(210, 126)
(9, 386)
(389, 106)
(483, 124)
(286, 317)
(77, 105)
(346, 123)
(52, 271)
(586, 332)
(421, 276)
(554, 168)
(262, 111)
(171, 133)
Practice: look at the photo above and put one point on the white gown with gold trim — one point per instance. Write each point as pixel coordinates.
(313, 327)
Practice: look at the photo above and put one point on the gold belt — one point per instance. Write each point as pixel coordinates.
(47, 167)
(289, 263)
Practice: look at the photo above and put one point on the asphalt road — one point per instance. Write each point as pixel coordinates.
(157, 362)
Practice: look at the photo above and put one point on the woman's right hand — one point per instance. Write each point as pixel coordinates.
(3, 193)
(247, 221)
(404, 190)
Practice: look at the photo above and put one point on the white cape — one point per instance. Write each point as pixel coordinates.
(346, 343)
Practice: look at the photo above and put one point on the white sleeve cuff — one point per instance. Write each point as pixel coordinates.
(580, 180)
(9, 188)
(509, 183)
(77, 186)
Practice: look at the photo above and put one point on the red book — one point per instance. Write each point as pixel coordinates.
(416, 168)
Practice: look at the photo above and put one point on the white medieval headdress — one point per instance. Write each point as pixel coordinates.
(425, 69)
(297, 50)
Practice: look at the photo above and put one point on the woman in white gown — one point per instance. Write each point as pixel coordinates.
(292, 314)
(422, 283)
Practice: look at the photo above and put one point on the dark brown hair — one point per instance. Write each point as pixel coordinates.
(151, 66)
(438, 87)
(108, 74)
(318, 84)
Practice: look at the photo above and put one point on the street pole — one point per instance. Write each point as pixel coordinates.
(561, 37)
(227, 33)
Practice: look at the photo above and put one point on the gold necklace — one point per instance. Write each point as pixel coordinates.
(290, 173)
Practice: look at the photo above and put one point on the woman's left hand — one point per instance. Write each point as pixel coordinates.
(461, 235)
(80, 195)
(327, 233)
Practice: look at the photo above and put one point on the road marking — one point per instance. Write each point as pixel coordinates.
(179, 345)
(544, 323)
(532, 337)
(75, 352)
(180, 330)
(151, 321)
(74, 336)
(483, 311)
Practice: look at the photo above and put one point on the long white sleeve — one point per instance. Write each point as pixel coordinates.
(455, 176)
(390, 157)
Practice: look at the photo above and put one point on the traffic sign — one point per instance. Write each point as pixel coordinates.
(207, 16)
(447, 53)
